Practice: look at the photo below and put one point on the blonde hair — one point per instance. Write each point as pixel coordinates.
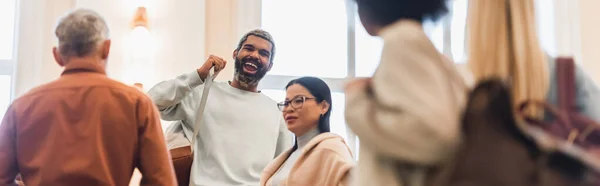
(503, 43)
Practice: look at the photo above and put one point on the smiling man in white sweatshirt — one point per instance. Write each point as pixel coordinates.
(242, 130)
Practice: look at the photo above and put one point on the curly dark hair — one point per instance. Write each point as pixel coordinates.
(384, 12)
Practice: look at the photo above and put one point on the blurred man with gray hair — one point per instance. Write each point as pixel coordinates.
(83, 128)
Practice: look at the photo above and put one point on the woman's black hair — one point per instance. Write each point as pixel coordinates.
(385, 12)
(320, 90)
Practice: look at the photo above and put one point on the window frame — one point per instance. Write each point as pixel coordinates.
(277, 82)
(6, 67)
(9, 66)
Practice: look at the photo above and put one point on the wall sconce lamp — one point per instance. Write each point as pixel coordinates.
(140, 42)
(140, 18)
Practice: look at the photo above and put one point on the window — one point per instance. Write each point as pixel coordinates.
(328, 41)
(368, 50)
(7, 20)
(310, 40)
(4, 95)
(545, 18)
(7, 34)
(457, 29)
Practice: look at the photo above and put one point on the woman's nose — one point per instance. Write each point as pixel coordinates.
(288, 109)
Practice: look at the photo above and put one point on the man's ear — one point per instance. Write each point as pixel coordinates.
(105, 49)
(235, 53)
(59, 59)
(270, 65)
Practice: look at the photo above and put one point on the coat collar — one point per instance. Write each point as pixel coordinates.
(270, 170)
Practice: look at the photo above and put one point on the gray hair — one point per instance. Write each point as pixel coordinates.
(258, 33)
(80, 32)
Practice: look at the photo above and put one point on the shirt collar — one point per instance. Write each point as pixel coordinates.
(305, 138)
(78, 66)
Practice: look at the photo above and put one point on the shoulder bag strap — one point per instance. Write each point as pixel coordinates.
(565, 76)
(207, 84)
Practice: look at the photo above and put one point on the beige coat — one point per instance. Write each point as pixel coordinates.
(411, 120)
(325, 161)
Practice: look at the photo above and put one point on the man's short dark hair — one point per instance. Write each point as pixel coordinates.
(384, 12)
(258, 33)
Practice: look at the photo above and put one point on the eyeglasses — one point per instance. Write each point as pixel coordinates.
(296, 103)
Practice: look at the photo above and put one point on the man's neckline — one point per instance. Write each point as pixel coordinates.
(242, 90)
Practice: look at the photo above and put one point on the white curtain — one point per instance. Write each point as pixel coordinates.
(35, 38)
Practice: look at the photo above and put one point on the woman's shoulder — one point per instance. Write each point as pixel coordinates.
(333, 144)
(465, 73)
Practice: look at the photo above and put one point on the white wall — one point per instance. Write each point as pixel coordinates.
(576, 27)
(178, 28)
(229, 20)
(35, 39)
(589, 31)
(220, 34)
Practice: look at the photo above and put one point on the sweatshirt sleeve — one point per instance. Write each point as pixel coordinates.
(284, 140)
(412, 111)
(169, 95)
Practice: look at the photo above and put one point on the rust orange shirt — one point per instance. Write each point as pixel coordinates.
(83, 129)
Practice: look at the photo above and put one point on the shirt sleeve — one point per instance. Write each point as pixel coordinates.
(154, 159)
(8, 159)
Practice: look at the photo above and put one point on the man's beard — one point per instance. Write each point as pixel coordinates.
(245, 79)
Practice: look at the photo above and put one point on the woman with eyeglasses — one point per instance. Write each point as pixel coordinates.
(318, 157)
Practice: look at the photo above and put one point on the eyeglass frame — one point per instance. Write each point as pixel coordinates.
(284, 104)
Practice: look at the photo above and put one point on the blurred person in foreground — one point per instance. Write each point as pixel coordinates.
(318, 157)
(83, 128)
(407, 115)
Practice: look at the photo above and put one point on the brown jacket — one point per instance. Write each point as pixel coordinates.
(326, 161)
(83, 129)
